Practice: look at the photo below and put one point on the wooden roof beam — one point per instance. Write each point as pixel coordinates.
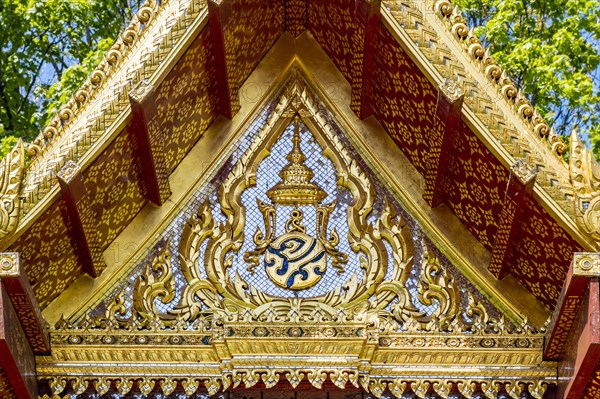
(16, 357)
(574, 335)
(15, 282)
(519, 189)
(447, 120)
(81, 217)
(367, 15)
(150, 147)
(219, 16)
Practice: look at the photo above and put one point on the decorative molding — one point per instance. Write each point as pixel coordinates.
(9, 264)
(11, 176)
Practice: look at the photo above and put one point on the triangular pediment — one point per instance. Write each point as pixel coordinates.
(346, 194)
(292, 260)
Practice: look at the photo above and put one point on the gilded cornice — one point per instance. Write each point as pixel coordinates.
(437, 38)
(146, 49)
(353, 354)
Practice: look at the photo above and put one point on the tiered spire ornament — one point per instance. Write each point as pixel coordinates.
(295, 260)
(296, 187)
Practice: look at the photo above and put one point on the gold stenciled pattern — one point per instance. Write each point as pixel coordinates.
(253, 27)
(112, 187)
(48, 255)
(404, 100)
(185, 101)
(332, 25)
(543, 255)
(6, 389)
(295, 16)
(474, 186)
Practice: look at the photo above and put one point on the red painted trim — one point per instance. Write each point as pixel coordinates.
(11, 337)
(218, 17)
(564, 315)
(367, 17)
(446, 123)
(28, 312)
(588, 346)
(83, 224)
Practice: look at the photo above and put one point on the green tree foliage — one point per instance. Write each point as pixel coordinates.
(47, 48)
(551, 50)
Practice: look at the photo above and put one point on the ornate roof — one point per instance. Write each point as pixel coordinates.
(444, 128)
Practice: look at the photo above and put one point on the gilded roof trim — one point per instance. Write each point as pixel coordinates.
(502, 118)
(99, 109)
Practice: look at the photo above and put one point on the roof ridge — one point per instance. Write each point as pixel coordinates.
(120, 49)
(102, 101)
(458, 26)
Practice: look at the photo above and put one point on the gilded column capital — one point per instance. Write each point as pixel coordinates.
(586, 264)
(141, 91)
(9, 264)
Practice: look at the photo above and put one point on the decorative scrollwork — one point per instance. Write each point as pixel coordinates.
(296, 260)
(11, 174)
(585, 177)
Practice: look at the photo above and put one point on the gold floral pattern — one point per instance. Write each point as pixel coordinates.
(474, 186)
(112, 187)
(332, 25)
(185, 101)
(48, 254)
(544, 254)
(405, 111)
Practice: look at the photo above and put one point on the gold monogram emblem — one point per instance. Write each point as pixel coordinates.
(296, 260)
